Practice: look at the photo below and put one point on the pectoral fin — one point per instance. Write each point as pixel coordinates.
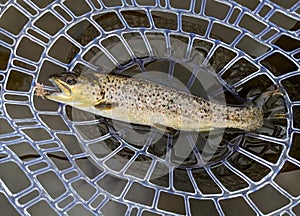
(102, 105)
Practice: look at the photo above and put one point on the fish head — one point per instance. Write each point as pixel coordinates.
(72, 89)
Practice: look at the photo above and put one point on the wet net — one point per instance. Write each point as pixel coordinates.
(55, 159)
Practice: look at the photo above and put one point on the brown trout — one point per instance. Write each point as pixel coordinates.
(144, 102)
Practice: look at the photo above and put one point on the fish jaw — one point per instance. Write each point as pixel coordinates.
(73, 95)
(58, 97)
(64, 95)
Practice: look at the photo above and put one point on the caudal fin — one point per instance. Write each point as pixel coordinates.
(274, 109)
(272, 103)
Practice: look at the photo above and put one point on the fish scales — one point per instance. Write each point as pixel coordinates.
(145, 102)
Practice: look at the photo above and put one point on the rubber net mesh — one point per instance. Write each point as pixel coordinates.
(55, 159)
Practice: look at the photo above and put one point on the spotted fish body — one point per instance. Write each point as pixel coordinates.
(145, 102)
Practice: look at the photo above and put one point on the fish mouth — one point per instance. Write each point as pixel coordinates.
(63, 88)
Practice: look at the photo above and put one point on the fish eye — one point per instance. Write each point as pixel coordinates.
(70, 79)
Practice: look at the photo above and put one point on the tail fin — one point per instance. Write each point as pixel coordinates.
(272, 103)
(273, 106)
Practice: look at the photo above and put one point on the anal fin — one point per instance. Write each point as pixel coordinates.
(167, 129)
